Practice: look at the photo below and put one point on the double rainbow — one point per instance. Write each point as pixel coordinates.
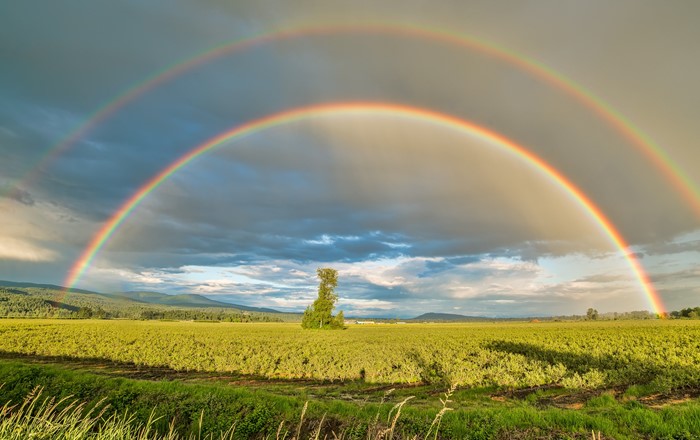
(370, 108)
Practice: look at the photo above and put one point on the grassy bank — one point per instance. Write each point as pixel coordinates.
(212, 409)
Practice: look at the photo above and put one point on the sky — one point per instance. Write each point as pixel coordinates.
(416, 215)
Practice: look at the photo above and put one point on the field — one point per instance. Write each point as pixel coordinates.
(537, 380)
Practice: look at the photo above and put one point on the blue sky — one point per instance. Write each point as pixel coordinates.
(415, 217)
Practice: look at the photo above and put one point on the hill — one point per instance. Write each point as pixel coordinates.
(449, 317)
(180, 300)
(4, 283)
(184, 300)
(20, 299)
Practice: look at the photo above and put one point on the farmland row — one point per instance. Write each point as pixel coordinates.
(517, 355)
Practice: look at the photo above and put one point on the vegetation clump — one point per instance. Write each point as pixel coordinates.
(592, 314)
(319, 314)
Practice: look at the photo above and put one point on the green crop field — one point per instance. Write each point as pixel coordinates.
(517, 355)
(562, 375)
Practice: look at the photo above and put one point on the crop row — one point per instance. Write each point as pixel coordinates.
(577, 355)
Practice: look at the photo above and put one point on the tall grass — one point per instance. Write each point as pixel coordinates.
(44, 417)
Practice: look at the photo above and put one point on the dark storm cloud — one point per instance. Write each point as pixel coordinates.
(281, 201)
(156, 137)
(672, 247)
(17, 195)
(90, 51)
(687, 276)
(364, 191)
(436, 267)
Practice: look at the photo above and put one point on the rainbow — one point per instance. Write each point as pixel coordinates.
(364, 108)
(656, 155)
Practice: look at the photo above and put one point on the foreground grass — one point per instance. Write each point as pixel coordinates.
(88, 405)
(40, 417)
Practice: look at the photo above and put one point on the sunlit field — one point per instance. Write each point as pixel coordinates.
(535, 379)
(518, 355)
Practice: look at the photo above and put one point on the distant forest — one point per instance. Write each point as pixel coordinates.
(37, 302)
(687, 313)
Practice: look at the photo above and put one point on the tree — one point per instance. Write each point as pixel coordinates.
(592, 314)
(319, 314)
(84, 313)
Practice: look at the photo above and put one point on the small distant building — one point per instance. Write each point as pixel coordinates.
(364, 322)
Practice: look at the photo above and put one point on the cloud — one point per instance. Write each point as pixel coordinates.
(18, 195)
(36, 232)
(682, 244)
(393, 287)
(285, 209)
(13, 249)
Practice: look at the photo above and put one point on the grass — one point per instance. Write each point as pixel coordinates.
(88, 405)
(41, 417)
(204, 380)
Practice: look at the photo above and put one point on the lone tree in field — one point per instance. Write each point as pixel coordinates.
(592, 314)
(318, 315)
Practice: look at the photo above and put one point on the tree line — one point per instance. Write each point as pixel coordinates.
(40, 303)
(686, 313)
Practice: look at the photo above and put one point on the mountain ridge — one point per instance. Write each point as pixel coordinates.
(185, 300)
(5, 283)
(451, 317)
(193, 300)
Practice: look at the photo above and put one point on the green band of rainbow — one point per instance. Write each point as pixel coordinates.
(346, 108)
(656, 155)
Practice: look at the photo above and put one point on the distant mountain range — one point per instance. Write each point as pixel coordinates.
(184, 300)
(449, 317)
(190, 300)
(4, 283)
(195, 301)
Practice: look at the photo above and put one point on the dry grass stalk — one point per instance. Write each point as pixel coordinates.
(438, 417)
(301, 421)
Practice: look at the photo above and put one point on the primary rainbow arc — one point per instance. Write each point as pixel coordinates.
(344, 108)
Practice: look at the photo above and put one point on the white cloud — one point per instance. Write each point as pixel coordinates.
(360, 304)
(14, 249)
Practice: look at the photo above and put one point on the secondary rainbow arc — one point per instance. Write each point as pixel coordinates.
(656, 155)
(344, 108)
